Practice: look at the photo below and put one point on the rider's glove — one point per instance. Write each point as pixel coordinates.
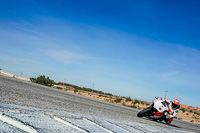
(159, 98)
(169, 116)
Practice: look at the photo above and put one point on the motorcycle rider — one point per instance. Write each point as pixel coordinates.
(173, 109)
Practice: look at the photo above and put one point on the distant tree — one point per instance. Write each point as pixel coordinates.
(41, 79)
(136, 101)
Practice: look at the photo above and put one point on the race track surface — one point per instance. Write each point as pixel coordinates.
(43, 109)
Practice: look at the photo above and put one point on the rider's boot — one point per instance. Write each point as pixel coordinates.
(168, 120)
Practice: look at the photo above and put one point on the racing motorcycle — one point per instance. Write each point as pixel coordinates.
(157, 111)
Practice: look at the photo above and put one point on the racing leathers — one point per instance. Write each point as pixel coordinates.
(172, 110)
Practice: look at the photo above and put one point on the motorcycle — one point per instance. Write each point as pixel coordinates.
(157, 111)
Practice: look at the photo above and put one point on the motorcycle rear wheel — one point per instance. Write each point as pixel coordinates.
(144, 112)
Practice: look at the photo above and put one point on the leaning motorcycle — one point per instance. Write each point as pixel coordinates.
(157, 111)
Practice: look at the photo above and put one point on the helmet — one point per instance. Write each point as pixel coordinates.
(175, 103)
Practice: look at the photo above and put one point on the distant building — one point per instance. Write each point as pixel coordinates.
(66, 84)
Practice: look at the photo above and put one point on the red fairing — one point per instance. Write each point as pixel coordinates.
(170, 120)
(158, 114)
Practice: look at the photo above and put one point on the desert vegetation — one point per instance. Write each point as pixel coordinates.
(43, 80)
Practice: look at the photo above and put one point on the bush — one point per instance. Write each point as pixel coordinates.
(75, 90)
(192, 121)
(109, 94)
(118, 100)
(43, 80)
(107, 100)
(133, 106)
(136, 101)
(182, 109)
(76, 87)
(59, 88)
(87, 89)
(32, 79)
(128, 99)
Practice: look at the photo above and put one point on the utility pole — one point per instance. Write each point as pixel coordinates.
(64, 81)
(92, 87)
(165, 94)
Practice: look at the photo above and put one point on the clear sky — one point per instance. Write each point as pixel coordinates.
(137, 48)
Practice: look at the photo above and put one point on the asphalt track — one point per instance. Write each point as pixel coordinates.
(17, 92)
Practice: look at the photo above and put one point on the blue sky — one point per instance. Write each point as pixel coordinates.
(137, 48)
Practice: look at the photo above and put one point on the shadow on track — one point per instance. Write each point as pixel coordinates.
(161, 122)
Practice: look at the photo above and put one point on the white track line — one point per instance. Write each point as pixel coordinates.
(17, 124)
(97, 125)
(118, 127)
(69, 124)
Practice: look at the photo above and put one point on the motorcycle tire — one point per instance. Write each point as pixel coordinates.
(144, 112)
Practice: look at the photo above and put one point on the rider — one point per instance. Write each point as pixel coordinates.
(174, 107)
